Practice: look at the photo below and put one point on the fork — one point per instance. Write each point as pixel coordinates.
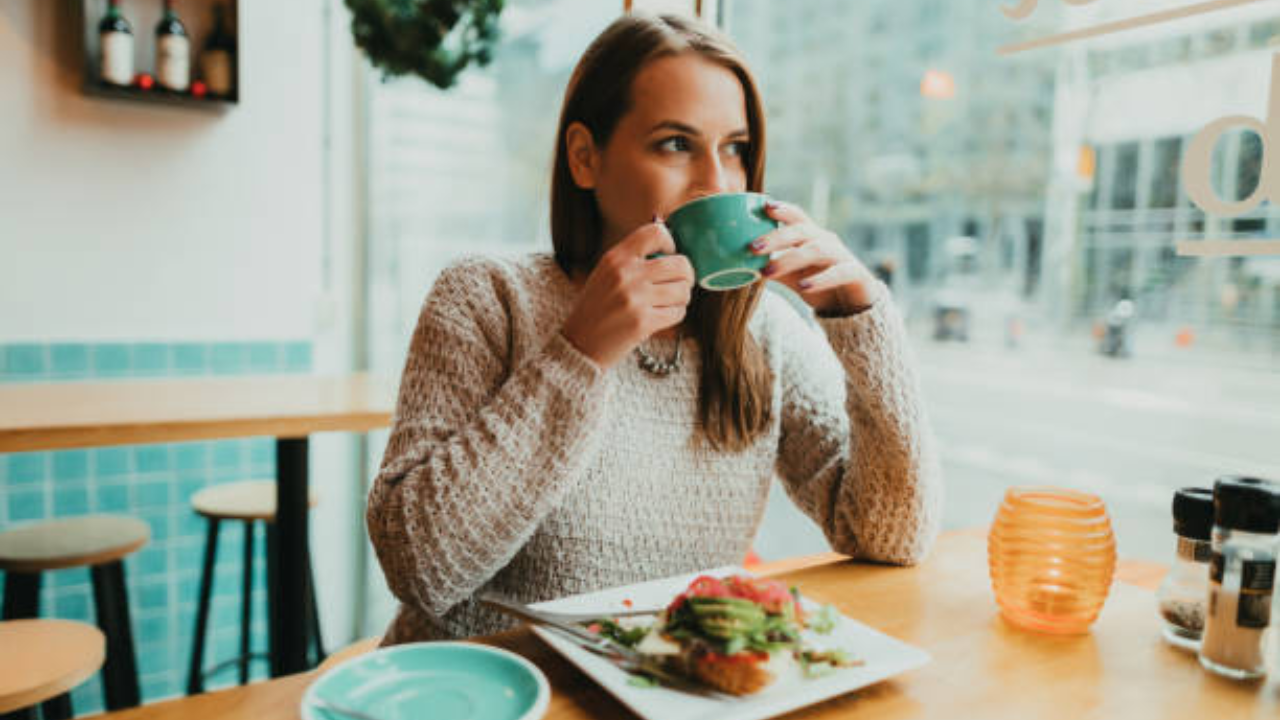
(588, 617)
(621, 655)
(574, 618)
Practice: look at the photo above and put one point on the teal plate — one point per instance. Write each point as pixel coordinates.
(438, 680)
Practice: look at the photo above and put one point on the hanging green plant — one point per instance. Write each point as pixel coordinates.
(433, 39)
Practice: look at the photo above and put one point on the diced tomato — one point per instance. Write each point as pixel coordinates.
(702, 586)
(594, 628)
(707, 586)
(772, 595)
(626, 602)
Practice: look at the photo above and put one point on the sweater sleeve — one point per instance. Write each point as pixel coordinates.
(482, 446)
(856, 452)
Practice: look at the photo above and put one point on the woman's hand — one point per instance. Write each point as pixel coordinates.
(814, 263)
(627, 297)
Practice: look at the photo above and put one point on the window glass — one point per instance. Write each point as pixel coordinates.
(1027, 207)
(466, 170)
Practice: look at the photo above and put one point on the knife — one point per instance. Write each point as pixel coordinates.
(624, 657)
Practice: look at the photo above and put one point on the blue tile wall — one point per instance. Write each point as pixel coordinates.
(153, 483)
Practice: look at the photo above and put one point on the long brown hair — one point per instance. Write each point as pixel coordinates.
(735, 389)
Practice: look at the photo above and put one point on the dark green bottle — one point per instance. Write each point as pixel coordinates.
(115, 45)
(173, 51)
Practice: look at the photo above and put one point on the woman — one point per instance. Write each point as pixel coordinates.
(539, 449)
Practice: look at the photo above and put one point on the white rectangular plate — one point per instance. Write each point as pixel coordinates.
(882, 657)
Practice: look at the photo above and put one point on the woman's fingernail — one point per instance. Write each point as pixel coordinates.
(805, 284)
(757, 245)
(769, 269)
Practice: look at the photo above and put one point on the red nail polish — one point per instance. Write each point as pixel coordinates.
(768, 270)
(805, 284)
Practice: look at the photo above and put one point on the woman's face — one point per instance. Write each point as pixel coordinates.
(685, 136)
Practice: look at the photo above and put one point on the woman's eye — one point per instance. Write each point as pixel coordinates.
(674, 144)
(738, 149)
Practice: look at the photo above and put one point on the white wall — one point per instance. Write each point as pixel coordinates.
(130, 221)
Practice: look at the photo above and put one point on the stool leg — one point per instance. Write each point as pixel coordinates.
(195, 676)
(313, 612)
(21, 595)
(246, 602)
(273, 586)
(120, 671)
(58, 708)
(21, 600)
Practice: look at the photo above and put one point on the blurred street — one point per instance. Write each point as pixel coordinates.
(1130, 430)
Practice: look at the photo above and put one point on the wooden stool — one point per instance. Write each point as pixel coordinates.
(248, 502)
(101, 543)
(42, 661)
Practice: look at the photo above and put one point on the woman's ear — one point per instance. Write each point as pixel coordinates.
(581, 152)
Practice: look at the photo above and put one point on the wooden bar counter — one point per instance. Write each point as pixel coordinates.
(289, 408)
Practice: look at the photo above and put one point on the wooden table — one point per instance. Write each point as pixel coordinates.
(289, 408)
(982, 667)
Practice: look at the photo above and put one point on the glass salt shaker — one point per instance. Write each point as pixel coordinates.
(1246, 516)
(1184, 593)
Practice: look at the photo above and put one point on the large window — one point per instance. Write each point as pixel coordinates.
(1030, 194)
(1033, 199)
(466, 170)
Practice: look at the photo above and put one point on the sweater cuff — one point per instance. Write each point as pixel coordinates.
(877, 327)
(581, 388)
(575, 367)
(872, 346)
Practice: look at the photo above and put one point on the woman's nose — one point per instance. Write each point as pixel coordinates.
(711, 177)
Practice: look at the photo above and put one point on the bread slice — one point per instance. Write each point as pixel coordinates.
(733, 675)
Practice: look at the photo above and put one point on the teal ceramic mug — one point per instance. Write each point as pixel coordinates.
(715, 232)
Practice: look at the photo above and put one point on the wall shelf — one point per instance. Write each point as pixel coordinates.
(97, 88)
(196, 16)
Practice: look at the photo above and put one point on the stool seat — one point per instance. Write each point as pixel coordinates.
(73, 542)
(244, 500)
(45, 658)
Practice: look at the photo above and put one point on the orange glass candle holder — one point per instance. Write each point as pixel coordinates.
(1052, 556)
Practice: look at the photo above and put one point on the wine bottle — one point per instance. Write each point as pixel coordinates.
(217, 62)
(115, 42)
(173, 51)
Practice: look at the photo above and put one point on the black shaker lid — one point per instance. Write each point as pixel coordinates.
(1246, 503)
(1193, 513)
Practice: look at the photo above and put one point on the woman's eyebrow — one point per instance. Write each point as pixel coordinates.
(675, 125)
(687, 129)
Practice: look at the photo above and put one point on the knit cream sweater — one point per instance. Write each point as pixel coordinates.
(516, 464)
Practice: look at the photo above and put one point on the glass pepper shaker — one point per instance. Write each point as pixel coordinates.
(1246, 516)
(1184, 593)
